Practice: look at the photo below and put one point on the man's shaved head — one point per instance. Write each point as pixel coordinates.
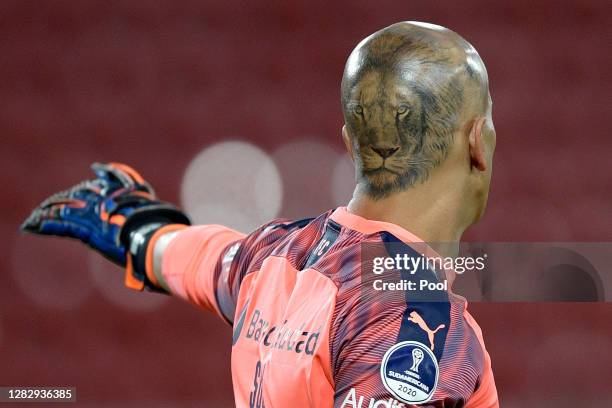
(406, 90)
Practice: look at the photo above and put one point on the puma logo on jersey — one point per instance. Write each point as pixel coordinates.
(416, 318)
(353, 401)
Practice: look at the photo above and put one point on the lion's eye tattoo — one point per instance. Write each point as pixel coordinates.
(357, 109)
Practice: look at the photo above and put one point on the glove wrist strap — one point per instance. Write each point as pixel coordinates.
(136, 236)
(136, 276)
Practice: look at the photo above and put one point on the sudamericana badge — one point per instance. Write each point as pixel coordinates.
(409, 370)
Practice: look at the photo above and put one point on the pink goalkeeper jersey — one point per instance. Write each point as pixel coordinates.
(306, 334)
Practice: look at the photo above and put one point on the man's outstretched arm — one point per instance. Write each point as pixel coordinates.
(118, 214)
(199, 264)
(206, 264)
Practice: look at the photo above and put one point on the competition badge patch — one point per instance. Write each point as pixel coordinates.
(409, 370)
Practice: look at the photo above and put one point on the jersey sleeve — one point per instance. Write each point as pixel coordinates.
(485, 395)
(205, 264)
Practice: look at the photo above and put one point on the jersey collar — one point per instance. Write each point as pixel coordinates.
(355, 222)
(344, 217)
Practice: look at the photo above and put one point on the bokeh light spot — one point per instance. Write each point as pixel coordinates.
(343, 180)
(52, 271)
(109, 278)
(232, 183)
(307, 168)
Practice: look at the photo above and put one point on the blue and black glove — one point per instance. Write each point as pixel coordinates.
(116, 214)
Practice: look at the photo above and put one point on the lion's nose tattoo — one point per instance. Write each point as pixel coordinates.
(385, 152)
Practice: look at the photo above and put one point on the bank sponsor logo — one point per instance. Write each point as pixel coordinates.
(297, 339)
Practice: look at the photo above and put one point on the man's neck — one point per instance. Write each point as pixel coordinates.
(434, 212)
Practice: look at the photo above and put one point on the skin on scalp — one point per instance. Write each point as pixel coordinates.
(406, 90)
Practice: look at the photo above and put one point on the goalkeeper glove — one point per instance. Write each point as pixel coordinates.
(116, 214)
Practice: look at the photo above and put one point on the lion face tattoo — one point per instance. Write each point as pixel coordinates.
(400, 130)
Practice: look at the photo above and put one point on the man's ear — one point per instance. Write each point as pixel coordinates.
(477, 152)
(348, 142)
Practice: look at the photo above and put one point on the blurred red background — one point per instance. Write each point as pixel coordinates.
(154, 83)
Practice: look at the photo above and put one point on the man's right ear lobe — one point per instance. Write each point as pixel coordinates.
(477, 148)
(348, 142)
